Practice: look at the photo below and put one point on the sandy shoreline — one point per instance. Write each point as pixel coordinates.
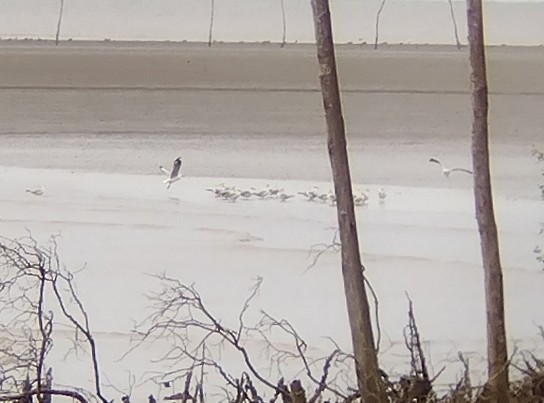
(163, 65)
(403, 103)
(92, 122)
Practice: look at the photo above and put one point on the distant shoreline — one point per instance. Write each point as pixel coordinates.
(252, 67)
(252, 44)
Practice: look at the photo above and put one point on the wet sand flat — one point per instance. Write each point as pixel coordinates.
(92, 122)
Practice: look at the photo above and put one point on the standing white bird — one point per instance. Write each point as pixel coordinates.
(246, 193)
(175, 174)
(37, 192)
(382, 195)
(360, 198)
(535, 152)
(324, 196)
(447, 171)
(310, 194)
(261, 194)
(284, 196)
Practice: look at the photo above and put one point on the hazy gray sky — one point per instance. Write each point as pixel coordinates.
(514, 22)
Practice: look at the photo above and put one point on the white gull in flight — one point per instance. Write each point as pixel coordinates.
(447, 171)
(175, 174)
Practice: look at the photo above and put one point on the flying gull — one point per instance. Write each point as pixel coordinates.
(175, 174)
(447, 171)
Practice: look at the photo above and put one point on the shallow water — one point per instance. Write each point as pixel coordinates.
(422, 241)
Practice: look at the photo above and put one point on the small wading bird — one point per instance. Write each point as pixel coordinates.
(382, 195)
(37, 192)
(175, 174)
(539, 155)
(262, 194)
(447, 171)
(284, 197)
(360, 198)
(310, 194)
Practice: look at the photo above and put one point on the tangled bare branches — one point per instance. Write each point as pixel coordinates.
(34, 287)
(418, 385)
(317, 250)
(197, 338)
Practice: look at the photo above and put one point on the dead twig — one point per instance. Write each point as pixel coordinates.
(455, 30)
(61, 11)
(283, 24)
(210, 29)
(377, 25)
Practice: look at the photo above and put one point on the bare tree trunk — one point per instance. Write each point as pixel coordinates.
(455, 32)
(210, 31)
(368, 375)
(496, 335)
(284, 23)
(382, 5)
(59, 22)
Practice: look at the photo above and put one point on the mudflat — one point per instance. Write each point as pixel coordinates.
(160, 97)
(92, 122)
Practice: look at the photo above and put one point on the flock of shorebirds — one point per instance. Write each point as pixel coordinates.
(232, 193)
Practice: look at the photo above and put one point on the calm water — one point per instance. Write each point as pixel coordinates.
(518, 23)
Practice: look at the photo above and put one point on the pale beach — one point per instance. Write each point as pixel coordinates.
(91, 121)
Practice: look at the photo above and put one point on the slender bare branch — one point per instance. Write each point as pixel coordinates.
(210, 30)
(53, 392)
(195, 336)
(34, 285)
(283, 24)
(377, 25)
(61, 11)
(453, 20)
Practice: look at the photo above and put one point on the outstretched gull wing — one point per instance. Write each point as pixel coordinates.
(468, 171)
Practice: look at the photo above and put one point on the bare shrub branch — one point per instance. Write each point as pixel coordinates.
(34, 284)
(317, 250)
(197, 338)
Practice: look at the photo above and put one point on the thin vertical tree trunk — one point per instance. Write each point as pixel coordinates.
(377, 27)
(497, 356)
(455, 31)
(210, 31)
(368, 375)
(284, 23)
(57, 35)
